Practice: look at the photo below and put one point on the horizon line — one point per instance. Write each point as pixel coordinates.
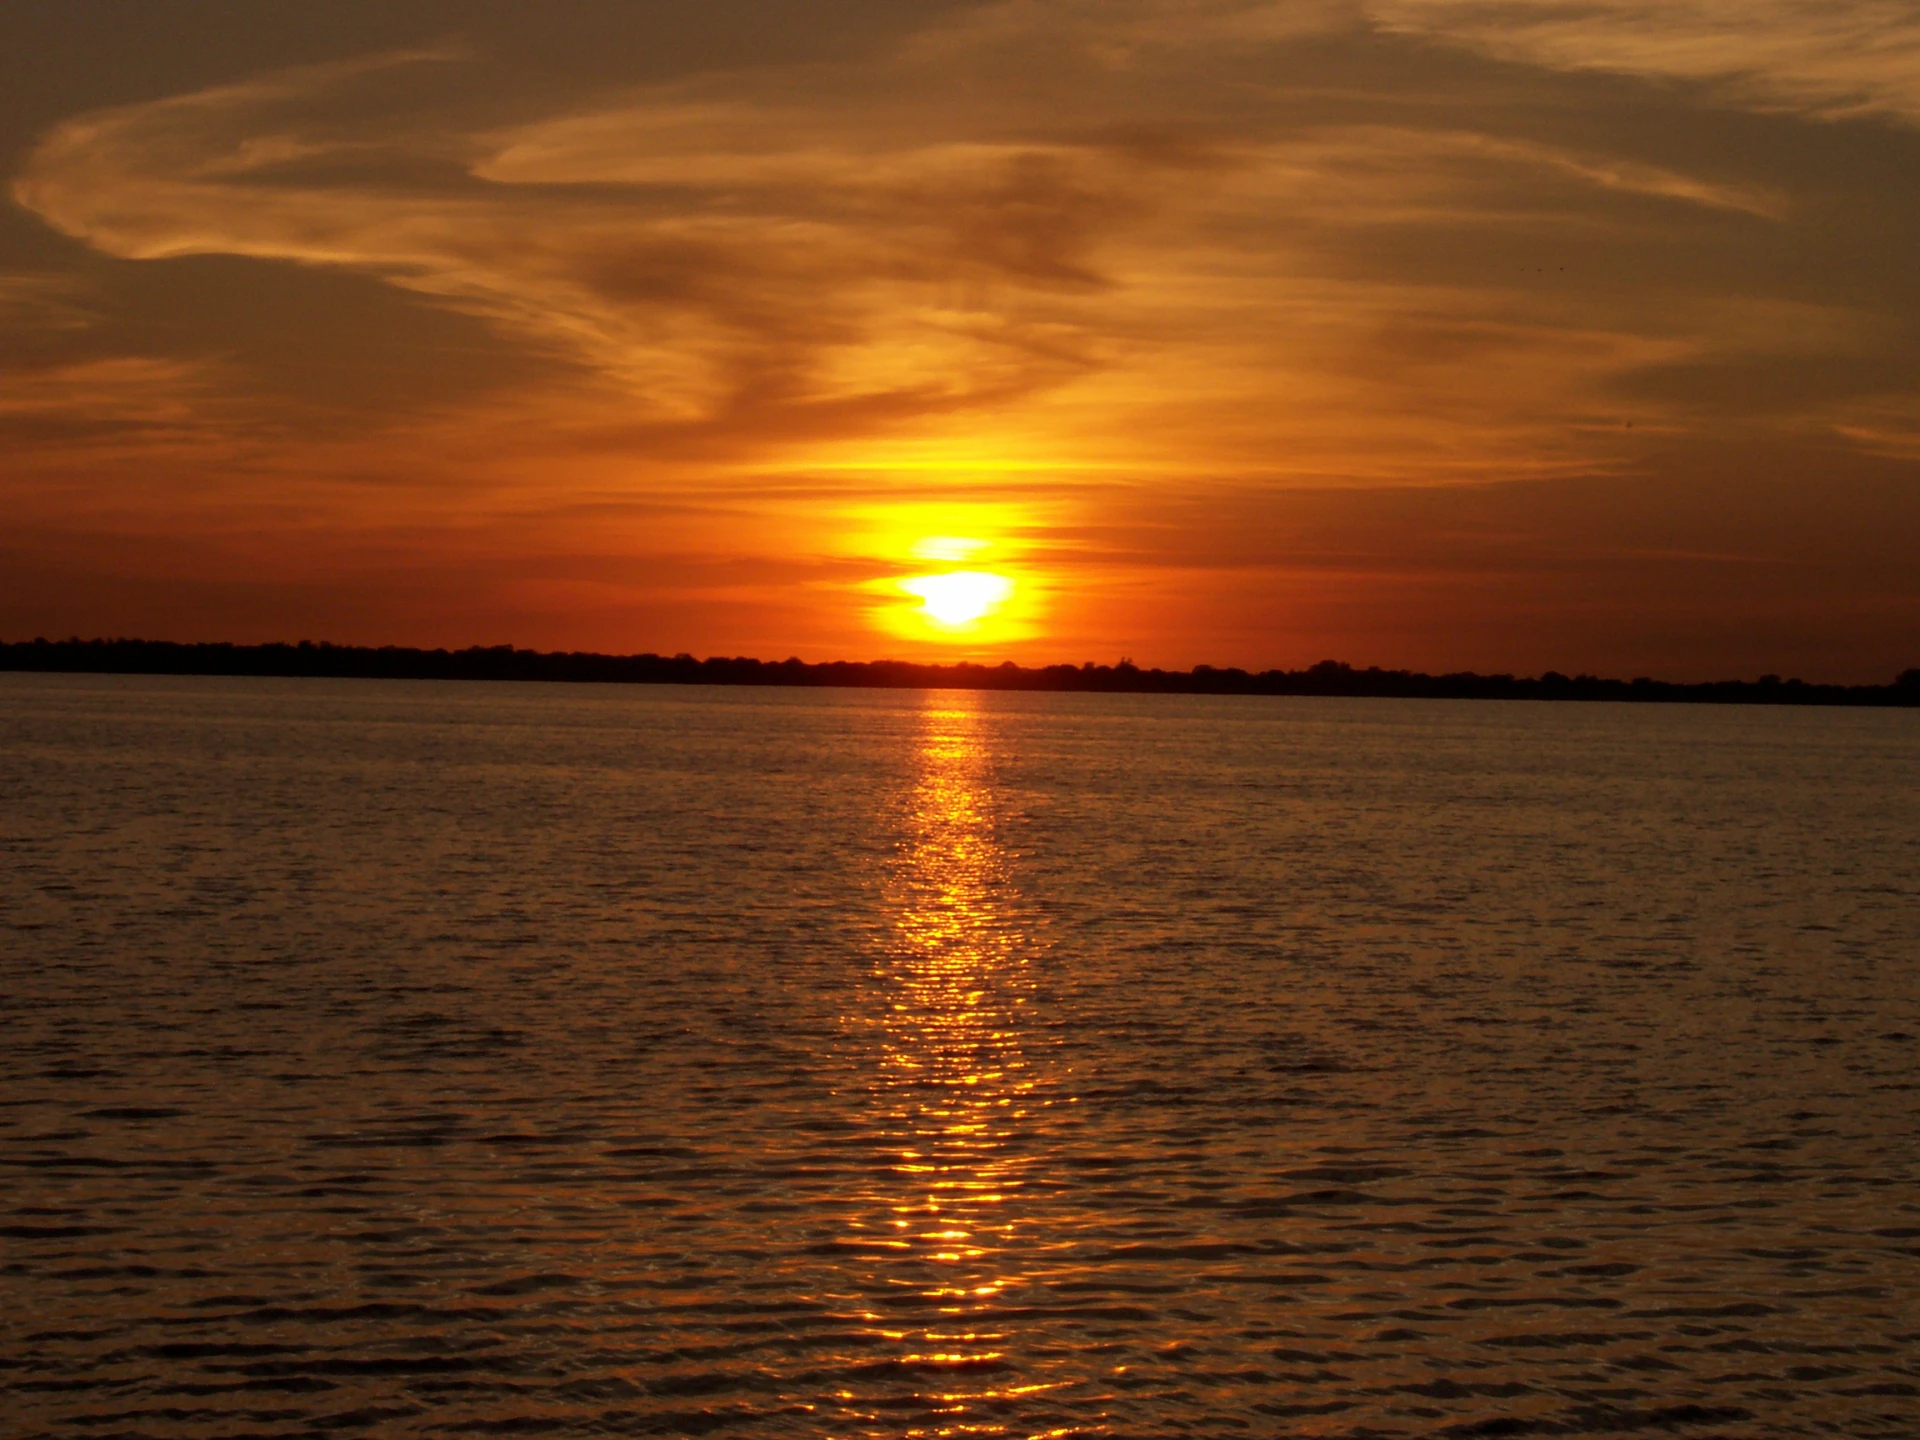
(325, 659)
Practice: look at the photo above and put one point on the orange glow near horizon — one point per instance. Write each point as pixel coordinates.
(946, 341)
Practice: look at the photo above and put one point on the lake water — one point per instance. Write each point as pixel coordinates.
(416, 1059)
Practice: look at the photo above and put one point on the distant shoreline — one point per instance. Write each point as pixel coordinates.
(504, 662)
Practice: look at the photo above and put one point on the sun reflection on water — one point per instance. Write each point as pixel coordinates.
(952, 1082)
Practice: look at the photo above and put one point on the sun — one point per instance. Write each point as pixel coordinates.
(949, 578)
(960, 597)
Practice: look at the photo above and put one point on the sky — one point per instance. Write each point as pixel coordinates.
(1494, 334)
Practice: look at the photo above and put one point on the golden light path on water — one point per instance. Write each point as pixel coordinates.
(954, 1085)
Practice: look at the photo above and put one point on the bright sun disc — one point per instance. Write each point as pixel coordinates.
(961, 597)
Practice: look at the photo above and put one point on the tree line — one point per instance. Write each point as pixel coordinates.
(506, 662)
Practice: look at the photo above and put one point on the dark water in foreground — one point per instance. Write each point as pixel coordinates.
(403, 1059)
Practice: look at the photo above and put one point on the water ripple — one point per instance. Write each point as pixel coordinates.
(416, 1059)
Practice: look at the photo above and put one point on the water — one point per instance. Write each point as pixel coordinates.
(412, 1059)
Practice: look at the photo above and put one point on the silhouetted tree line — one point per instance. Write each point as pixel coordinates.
(504, 662)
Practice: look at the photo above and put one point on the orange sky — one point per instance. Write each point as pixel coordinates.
(1509, 334)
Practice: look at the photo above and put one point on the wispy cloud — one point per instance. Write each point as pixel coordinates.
(46, 300)
(1828, 57)
(128, 404)
(823, 255)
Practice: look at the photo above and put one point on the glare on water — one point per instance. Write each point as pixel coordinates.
(952, 1086)
(427, 1060)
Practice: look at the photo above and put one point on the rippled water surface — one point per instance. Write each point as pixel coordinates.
(412, 1059)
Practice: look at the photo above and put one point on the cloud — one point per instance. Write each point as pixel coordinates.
(809, 288)
(45, 301)
(1046, 215)
(125, 403)
(1832, 58)
(1886, 425)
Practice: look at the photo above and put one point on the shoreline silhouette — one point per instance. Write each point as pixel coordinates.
(324, 660)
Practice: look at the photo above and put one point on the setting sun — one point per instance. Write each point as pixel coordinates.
(960, 597)
(945, 579)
